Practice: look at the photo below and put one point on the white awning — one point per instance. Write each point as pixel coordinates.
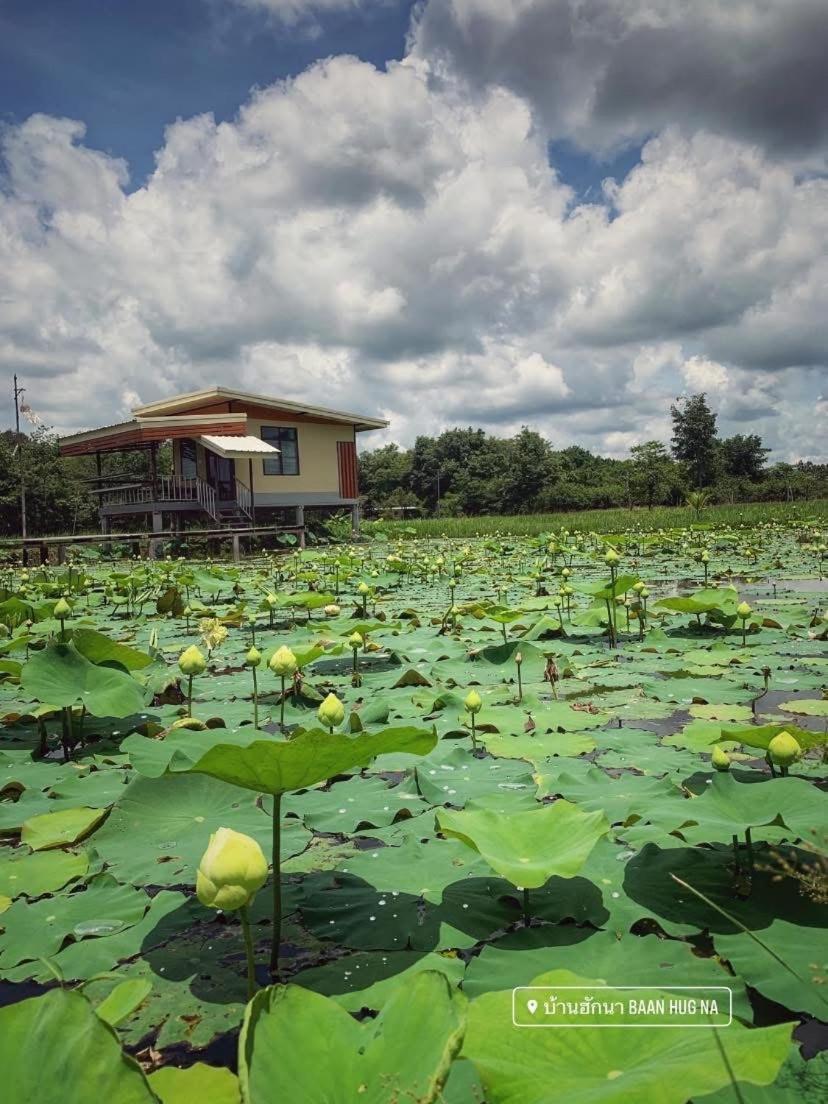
(238, 448)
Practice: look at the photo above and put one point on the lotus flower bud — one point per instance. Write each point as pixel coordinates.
(473, 702)
(705, 557)
(566, 573)
(253, 657)
(271, 600)
(720, 759)
(332, 610)
(363, 588)
(518, 658)
(744, 611)
(282, 662)
(192, 661)
(643, 593)
(355, 641)
(611, 557)
(639, 586)
(784, 749)
(331, 712)
(62, 608)
(232, 870)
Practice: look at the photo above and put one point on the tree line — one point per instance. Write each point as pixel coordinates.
(465, 471)
(462, 471)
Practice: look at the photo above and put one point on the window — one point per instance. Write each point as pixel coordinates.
(187, 452)
(287, 462)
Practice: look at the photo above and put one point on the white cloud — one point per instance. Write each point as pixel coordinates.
(386, 241)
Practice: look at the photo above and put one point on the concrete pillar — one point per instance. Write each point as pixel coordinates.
(300, 515)
(157, 527)
(236, 547)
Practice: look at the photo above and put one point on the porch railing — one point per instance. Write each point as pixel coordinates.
(173, 488)
(244, 499)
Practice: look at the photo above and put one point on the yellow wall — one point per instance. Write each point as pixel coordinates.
(318, 466)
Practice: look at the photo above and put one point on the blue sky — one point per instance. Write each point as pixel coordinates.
(130, 67)
(503, 212)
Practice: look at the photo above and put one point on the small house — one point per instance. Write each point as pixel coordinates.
(236, 459)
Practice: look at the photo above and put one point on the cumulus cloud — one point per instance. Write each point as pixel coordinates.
(607, 72)
(385, 241)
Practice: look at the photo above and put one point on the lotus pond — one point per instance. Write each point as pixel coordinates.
(444, 769)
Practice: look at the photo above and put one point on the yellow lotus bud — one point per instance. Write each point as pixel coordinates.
(231, 872)
(705, 557)
(644, 593)
(191, 723)
(611, 557)
(355, 641)
(363, 588)
(639, 586)
(283, 661)
(331, 712)
(784, 749)
(720, 759)
(518, 658)
(473, 702)
(191, 661)
(332, 610)
(253, 657)
(744, 611)
(62, 608)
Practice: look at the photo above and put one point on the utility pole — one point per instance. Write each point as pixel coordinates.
(18, 391)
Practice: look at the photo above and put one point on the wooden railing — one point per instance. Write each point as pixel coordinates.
(244, 499)
(173, 488)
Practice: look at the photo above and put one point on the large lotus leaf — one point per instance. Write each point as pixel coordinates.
(759, 736)
(628, 796)
(369, 980)
(198, 1084)
(59, 829)
(298, 1045)
(666, 1066)
(537, 746)
(528, 847)
(61, 676)
(279, 766)
(607, 589)
(168, 914)
(517, 957)
(648, 882)
(22, 874)
(455, 777)
(808, 707)
(785, 962)
(353, 803)
(161, 827)
(54, 1049)
(781, 808)
(98, 648)
(722, 599)
(39, 929)
(800, 1081)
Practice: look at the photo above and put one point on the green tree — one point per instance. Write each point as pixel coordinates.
(651, 472)
(694, 437)
(527, 472)
(743, 456)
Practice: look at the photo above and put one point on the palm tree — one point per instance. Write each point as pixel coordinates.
(697, 501)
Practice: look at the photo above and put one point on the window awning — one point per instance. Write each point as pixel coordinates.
(238, 448)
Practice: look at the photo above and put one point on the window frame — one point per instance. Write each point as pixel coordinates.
(188, 445)
(275, 438)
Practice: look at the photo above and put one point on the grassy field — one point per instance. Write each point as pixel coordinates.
(605, 521)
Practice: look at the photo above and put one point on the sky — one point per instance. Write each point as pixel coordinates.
(554, 213)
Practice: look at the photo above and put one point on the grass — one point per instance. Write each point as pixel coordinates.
(606, 521)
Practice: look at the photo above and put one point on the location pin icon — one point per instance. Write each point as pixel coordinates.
(532, 1005)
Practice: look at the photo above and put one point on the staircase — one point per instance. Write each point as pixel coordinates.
(239, 514)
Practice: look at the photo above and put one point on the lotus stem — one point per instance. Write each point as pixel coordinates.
(736, 852)
(749, 846)
(189, 695)
(282, 706)
(526, 914)
(473, 733)
(255, 697)
(276, 939)
(248, 950)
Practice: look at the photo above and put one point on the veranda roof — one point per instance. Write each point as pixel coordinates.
(237, 448)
